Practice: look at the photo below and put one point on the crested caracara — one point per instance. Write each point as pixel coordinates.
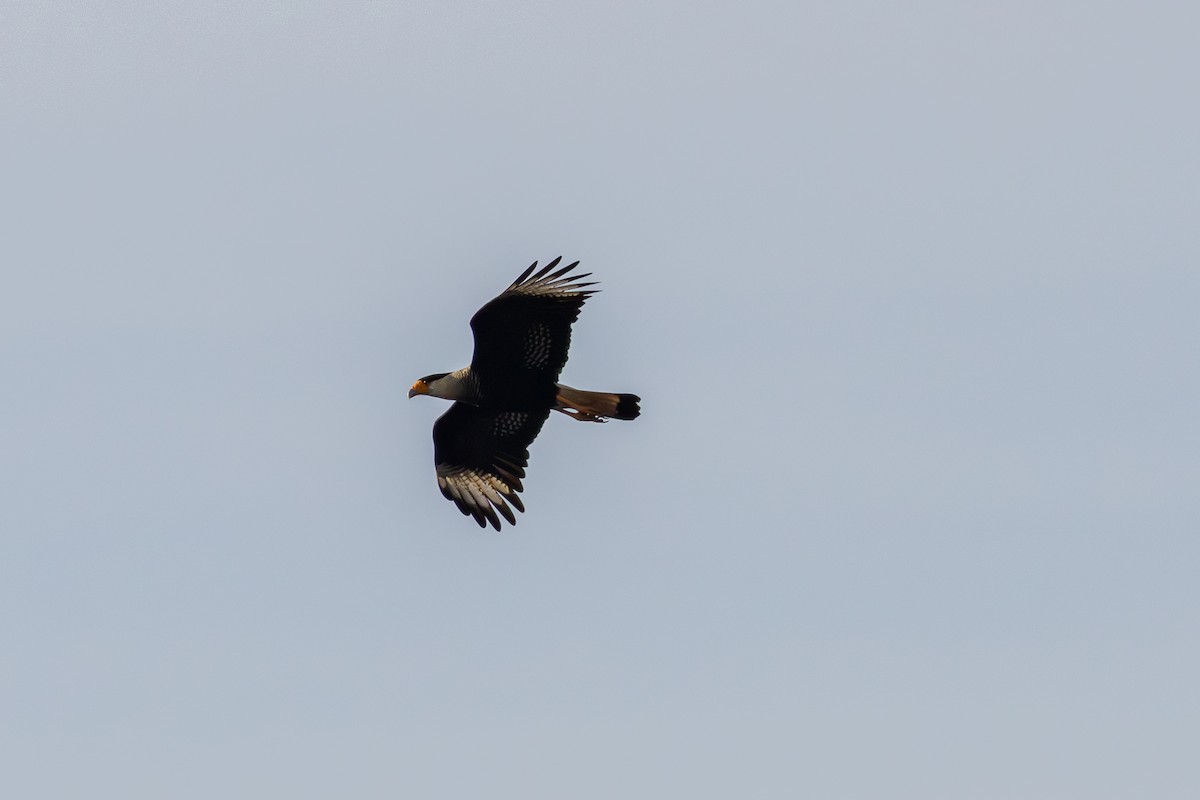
(501, 400)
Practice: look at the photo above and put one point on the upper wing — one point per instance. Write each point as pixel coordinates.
(524, 333)
(481, 457)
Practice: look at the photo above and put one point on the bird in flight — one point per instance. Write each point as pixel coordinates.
(503, 397)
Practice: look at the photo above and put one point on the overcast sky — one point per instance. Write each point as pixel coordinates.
(909, 292)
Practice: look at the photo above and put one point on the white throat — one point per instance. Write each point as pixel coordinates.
(455, 386)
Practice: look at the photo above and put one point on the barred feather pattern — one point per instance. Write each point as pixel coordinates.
(480, 495)
(556, 283)
(524, 333)
(522, 338)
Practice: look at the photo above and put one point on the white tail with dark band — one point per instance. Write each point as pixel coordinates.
(596, 406)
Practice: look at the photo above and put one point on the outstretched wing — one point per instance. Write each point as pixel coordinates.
(524, 333)
(481, 457)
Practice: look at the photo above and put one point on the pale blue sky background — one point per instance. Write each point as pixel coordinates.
(909, 291)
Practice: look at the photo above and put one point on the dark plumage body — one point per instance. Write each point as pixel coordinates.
(505, 395)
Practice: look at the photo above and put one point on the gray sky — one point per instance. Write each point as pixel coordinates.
(909, 291)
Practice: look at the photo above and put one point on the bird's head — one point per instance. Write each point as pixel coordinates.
(422, 384)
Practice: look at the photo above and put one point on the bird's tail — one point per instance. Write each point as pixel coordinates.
(596, 406)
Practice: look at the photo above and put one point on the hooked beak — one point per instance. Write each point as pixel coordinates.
(420, 387)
